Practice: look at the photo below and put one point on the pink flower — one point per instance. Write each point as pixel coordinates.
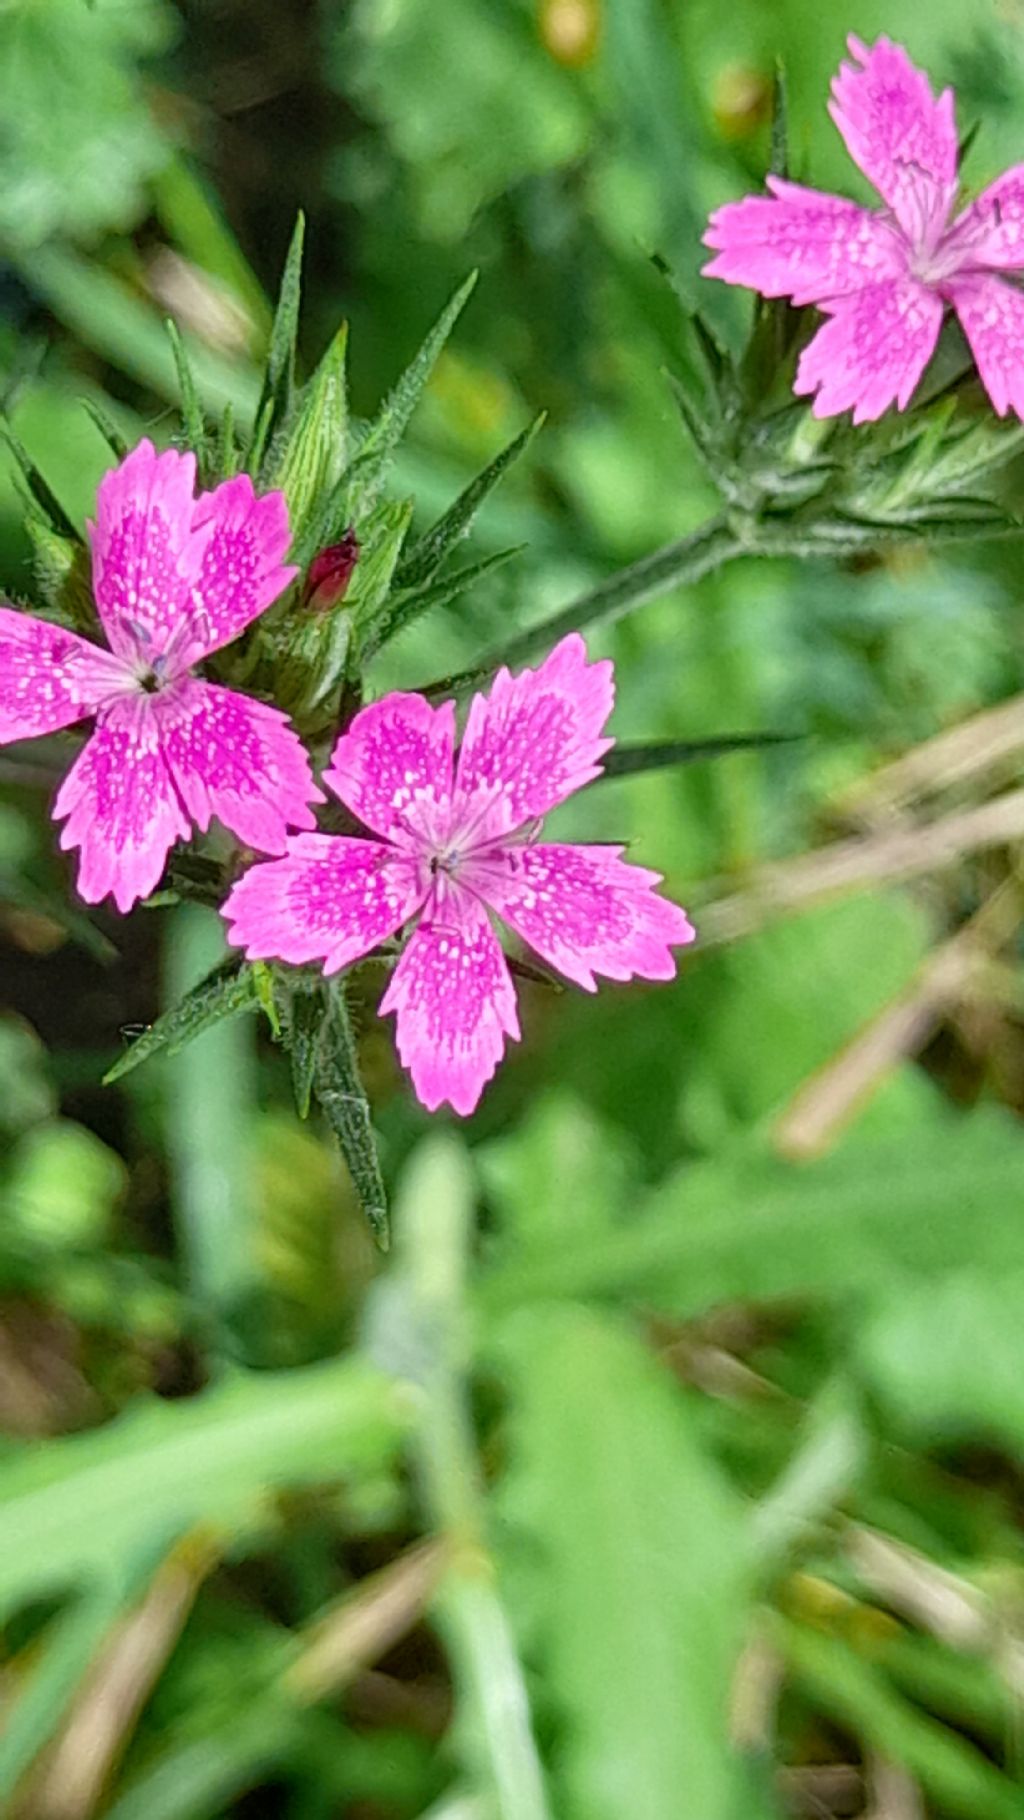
(175, 578)
(885, 277)
(456, 839)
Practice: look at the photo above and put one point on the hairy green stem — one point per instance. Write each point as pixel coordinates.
(680, 563)
(688, 559)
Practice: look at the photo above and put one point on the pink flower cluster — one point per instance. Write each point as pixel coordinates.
(455, 833)
(885, 277)
(177, 577)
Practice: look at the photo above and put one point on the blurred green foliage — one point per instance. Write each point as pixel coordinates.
(697, 1366)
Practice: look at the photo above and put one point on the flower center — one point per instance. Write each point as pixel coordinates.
(152, 677)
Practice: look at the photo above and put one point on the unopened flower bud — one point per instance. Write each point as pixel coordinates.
(330, 572)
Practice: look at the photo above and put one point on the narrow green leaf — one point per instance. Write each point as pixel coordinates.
(260, 437)
(523, 969)
(778, 157)
(831, 1455)
(381, 538)
(279, 377)
(205, 1775)
(303, 1013)
(227, 451)
(389, 426)
(712, 352)
(968, 141)
(637, 1568)
(675, 565)
(40, 489)
(431, 550)
(263, 981)
(230, 988)
(106, 427)
(340, 1093)
(402, 610)
(91, 1508)
(625, 760)
(191, 409)
(702, 433)
(70, 1643)
(960, 1781)
(310, 458)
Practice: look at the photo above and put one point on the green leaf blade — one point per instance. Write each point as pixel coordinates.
(342, 1098)
(191, 408)
(388, 428)
(433, 548)
(642, 1569)
(230, 988)
(630, 760)
(279, 376)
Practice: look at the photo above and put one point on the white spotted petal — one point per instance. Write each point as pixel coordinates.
(446, 856)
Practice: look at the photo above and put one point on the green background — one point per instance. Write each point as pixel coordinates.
(718, 1426)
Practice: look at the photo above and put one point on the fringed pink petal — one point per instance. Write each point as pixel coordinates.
(902, 137)
(872, 352)
(243, 568)
(584, 910)
(121, 805)
(237, 759)
(330, 899)
(802, 244)
(531, 741)
(454, 1002)
(989, 234)
(393, 768)
(147, 555)
(991, 315)
(49, 678)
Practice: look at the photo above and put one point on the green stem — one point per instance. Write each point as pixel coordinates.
(710, 547)
(677, 564)
(434, 1226)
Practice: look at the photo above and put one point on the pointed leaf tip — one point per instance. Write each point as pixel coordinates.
(436, 544)
(279, 377)
(230, 988)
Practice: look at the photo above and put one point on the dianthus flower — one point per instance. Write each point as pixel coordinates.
(174, 579)
(456, 839)
(885, 277)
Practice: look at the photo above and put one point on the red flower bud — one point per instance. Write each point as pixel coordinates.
(330, 572)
